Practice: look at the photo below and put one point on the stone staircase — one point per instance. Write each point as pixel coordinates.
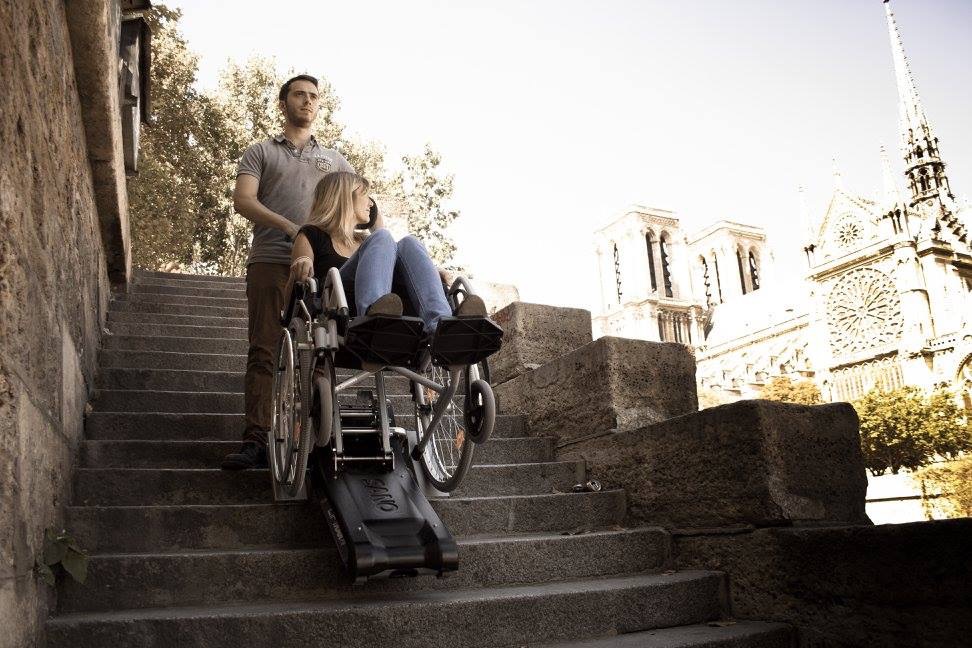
(183, 554)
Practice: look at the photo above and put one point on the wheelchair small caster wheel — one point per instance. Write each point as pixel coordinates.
(590, 486)
(480, 414)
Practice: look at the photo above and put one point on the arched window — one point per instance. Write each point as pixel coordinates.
(617, 272)
(742, 275)
(666, 264)
(707, 281)
(753, 271)
(718, 279)
(650, 240)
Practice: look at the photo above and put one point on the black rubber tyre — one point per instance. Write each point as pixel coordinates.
(303, 366)
(323, 412)
(480, 411)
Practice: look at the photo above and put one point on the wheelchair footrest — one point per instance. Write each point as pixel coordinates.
(385, 340)
(465, 340)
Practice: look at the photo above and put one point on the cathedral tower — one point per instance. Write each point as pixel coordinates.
(931, 197)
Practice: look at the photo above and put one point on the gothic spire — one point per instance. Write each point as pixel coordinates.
(924, 170)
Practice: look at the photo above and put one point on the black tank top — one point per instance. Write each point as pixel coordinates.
(325, 257)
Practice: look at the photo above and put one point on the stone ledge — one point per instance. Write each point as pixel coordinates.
(610, 383)
(889, 585)
(535, 334)
(752, 462)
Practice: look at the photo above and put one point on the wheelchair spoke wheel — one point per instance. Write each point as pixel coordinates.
(280, 438)
(289, 438)
(449, 452)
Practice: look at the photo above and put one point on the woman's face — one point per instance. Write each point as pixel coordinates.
(362, 204)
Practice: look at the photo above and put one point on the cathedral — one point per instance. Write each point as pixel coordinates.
(886, 300)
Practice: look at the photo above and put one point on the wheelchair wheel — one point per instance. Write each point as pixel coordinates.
(290, 434)
(323, 412)
(480, 410)
(449, 453)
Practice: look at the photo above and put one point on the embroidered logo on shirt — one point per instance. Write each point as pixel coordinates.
(323, 164)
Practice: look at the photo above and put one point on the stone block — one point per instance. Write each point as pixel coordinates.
(885, 585)
(752, 462)
(535, 334)
(610, 383)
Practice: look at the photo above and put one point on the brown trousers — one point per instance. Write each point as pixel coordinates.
(265, 284)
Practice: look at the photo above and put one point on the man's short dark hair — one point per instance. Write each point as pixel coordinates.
(285, 88)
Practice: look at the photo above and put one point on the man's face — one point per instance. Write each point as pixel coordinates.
(300, 108)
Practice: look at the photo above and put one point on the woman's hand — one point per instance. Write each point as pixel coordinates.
(302, 268)
(446, 276)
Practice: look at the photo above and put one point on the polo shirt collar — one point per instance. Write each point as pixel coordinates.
(281, 138)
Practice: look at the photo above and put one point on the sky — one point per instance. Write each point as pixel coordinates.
(556, 115)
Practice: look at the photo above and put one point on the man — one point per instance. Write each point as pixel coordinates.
(274, 188)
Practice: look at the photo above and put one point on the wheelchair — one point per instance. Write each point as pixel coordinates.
(376, 476)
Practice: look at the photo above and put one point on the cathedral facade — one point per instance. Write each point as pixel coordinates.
(886, 300)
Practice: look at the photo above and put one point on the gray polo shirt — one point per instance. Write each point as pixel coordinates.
(287, 181)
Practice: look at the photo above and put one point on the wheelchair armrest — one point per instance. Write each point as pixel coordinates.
(332, 296)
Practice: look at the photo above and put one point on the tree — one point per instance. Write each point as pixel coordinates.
(181, 201)
(905, 429)
(783, 389)
(425, 190)
(954, 482)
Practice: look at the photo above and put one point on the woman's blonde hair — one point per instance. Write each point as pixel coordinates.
(333, 206)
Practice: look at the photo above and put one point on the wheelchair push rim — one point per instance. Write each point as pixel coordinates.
(289, 436)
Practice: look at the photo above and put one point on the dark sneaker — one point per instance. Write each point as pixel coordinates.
(251, 455)
(471, 306)
(390, 304)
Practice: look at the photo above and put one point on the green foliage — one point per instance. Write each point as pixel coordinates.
(61, 554)
(782, 389)
(904, 428)
(424, 189)
(180, 202)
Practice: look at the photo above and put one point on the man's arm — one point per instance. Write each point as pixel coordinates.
(245, 202)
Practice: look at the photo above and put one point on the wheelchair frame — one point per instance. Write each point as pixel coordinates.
(307, 418)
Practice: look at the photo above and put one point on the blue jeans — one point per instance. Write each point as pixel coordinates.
(380, 261)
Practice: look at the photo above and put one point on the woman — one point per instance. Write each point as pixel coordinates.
(369, 264)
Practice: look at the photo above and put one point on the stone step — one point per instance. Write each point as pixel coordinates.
(208, 454)
(473, 618)
(195, 289)
(216, 322)
(720, 634)
(192, 426)
(173, 360)
(228, 402)
(143, 529)
(190, 380)
(233, 344)
(155, 486)
(155, 276)
(235, 334)
(135, 581)
(180, 297)
(175, 307)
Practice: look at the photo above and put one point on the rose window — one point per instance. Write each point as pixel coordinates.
(863, 311)
(849, 233)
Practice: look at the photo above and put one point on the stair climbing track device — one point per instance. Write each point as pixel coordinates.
(372, 476)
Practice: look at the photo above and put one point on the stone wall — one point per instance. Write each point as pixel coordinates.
(54, 289)
(845, 587)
